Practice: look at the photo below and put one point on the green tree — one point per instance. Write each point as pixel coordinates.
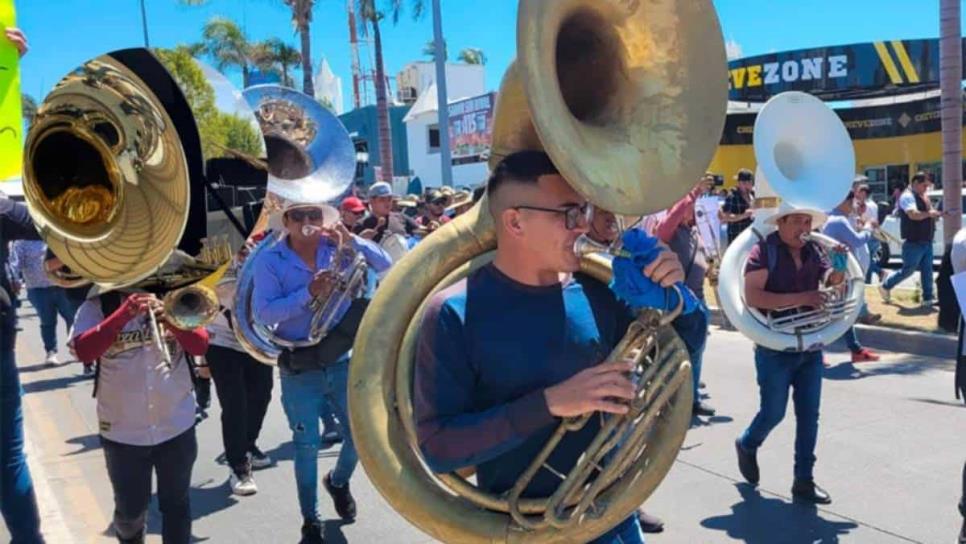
(472, 55)
(429, 50)
(275, 56)
(302, 21)
(218, 130)
(226, 45)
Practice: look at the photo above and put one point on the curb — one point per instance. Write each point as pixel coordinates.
(926, 344)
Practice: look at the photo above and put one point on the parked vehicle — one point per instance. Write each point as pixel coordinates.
(891, 227)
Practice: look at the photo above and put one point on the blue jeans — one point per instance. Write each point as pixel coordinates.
(627, 532)
(18, 504)
(852, 341)
(777, 371)
(915, 256)
(306, 397)
(874, 267)
(50, 301)
(693, 330)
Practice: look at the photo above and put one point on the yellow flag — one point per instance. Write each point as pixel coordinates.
(11, 116)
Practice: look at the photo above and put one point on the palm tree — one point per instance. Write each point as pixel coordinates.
(951, 71)
(430, 50)
(276, 57)
(472, 55)
(225, 44)
(371, 16)
(302, 20)
(29, 107)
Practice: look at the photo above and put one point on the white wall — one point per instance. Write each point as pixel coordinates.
(462, 80)
(426, 165)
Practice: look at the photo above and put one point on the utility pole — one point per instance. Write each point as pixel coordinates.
(444, 152)
(144, 23)
(354, 46)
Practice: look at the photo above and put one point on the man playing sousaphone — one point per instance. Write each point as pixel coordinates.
(287, 278)
(505, 353)
(785, 270)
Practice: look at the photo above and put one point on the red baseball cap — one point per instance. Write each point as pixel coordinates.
(352, 204)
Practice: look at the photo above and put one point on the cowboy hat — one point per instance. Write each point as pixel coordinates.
(785, 209)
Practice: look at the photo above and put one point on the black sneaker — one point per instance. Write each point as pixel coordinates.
(962, 533)
(807, 490)
(259, 459)
(747, 463)
(311, 532)
(702, 409)
(345, 505)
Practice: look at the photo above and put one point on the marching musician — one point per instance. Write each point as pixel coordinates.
(244, 389)
(504, 353)
(917, 221)
(287, 278)
(145, 408)
(434, 215)
(382, 218)
(784, 270)
(839, 228)
(678, 230)
(957, 256)
(352, 211)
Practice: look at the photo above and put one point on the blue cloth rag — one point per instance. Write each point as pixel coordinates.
(637, 290)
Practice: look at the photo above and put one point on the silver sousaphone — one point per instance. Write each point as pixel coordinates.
(805, 161)
(311, 159)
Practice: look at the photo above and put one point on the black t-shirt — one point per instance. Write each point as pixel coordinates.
(397, 224)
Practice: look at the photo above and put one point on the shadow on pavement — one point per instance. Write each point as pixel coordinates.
(89, 442)
(765, 520)
(849, 371)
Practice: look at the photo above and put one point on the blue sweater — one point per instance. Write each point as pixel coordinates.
(487, 349)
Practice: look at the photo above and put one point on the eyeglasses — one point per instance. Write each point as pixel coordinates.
(438, 201)
(572, 214)
(312, 214)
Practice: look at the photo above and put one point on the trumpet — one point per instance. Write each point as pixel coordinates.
(187, 308)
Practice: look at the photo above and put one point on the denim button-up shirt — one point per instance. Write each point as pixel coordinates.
(281, 291)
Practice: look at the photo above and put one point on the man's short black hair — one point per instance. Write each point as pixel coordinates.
(523, 167)
(921, 177)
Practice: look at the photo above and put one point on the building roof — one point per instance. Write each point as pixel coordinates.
(427, 103)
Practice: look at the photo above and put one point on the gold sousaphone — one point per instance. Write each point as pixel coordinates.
(628, 99)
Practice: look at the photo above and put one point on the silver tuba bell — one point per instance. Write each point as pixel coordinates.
(806, 162)
(311, 159)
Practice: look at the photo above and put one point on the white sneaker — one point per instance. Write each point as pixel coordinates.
(885, 294)
(51, 359)
(243, 485)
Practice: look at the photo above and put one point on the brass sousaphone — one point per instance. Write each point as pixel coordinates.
(628, 99)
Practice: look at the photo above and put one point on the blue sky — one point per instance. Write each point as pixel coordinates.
(64, 33)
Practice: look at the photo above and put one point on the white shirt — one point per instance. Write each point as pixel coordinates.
(907, 201)
(221, 334)
(140, 401)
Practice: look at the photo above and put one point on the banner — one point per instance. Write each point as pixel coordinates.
(886, 121)
(11, 115)
(840, 72)
(471, 128)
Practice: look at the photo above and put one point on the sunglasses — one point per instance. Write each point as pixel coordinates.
(312, 214)
(438, 201)
(572, 214)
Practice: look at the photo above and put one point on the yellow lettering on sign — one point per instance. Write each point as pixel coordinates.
(738, 77)
(754, 76)
(11, 117)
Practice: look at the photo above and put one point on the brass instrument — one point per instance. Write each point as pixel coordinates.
(612, 91)
(311, 160)
(113, 170)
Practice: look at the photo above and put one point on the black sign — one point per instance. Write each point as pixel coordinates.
(887, 121)
(839, 72)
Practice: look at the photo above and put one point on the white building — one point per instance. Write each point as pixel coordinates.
(414, 79)
(422, 134)
(329, 86)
